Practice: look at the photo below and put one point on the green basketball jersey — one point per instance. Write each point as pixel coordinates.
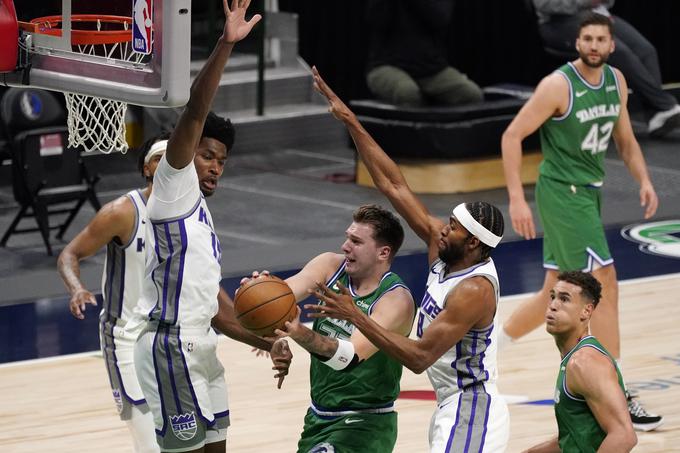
(575, 143)
(578, 428)
(372, 384)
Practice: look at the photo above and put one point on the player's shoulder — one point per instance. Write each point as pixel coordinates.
(588, 359)
(120, 208)
(556, 80)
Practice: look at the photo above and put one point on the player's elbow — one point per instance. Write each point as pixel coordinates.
(510, 139)
(418, 363)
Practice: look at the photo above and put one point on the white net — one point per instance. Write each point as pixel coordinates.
(98, 124)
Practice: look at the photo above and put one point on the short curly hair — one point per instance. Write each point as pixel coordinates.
(591, 289)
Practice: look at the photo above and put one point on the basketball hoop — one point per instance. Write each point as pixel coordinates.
(95, 123)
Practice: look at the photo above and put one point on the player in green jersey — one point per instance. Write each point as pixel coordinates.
(578, 108)
(353, 384)
(590, 403)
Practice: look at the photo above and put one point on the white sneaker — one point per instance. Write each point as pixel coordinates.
(663, 122)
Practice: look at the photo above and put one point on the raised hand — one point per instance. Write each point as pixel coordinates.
(235, 25)
(281, 358)
(336, 305)
(335, 105)
(79, 301)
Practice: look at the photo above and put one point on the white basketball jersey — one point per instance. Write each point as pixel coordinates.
(124, 267)
(183, 269)
(473, 359)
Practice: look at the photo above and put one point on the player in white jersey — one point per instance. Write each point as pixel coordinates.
(456, 325)
(120, 225)
(175, 356)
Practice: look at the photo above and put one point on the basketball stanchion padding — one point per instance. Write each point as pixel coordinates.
(95, 123)
(9, 36)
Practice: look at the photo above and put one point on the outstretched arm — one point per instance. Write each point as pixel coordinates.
(550, 98)
(472, 303)
(629, 150)
(385, 173)
(113, 220)
(187, 133)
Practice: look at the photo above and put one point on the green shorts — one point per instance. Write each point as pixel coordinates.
(376, 433)
(573, 235)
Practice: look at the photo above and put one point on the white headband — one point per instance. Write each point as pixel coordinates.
(156, 148)
(463, 216)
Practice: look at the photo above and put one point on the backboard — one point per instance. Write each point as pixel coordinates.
(52, 55)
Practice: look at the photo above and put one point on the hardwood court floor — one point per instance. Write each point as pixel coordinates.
(64, 405)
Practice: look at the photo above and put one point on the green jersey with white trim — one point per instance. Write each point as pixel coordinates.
(578, 428)
(372, 384)
(575, 143)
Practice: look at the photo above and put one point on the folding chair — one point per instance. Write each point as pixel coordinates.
(45, 171)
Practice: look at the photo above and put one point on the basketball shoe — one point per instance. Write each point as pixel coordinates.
(642, 420)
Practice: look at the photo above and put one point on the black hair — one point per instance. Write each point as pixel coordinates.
(143, 150)
(591, 289)
(596, 19)
(387, 229)
(220, 129)
(491, 218)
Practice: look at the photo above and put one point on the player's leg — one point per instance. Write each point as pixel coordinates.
(174, 389)
(216, 436)
(472, 420)
(391, 84)
(604, 323)
(142, 429)
(118, 350)
(531, 313)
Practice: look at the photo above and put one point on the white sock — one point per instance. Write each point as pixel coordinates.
(143, 431)
(504, 339)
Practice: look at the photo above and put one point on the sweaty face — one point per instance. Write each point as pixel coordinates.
(594, 44)
(567, 309)
(209, 160)
(361, 250)
(452, 242)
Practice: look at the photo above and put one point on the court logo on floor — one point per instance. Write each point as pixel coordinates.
(657, 238)
(184, 426)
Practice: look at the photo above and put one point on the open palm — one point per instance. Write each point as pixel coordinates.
(235, 26)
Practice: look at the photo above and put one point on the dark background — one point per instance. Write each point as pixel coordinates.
(492, 41)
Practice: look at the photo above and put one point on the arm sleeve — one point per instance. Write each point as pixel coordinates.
(175, 192)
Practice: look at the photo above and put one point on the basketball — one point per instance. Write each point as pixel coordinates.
(264, 304)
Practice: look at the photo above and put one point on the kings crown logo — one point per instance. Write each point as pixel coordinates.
(184, 426)
(118, 398)
(656, 238)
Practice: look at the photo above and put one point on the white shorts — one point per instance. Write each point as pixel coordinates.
(184, 385)
(474, 420)
(117, 345)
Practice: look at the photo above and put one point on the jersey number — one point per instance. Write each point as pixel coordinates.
(419, 328)
(597, 139)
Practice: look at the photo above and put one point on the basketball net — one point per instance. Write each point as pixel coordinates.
(96, 123)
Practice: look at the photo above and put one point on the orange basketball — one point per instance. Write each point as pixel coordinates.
(264, 304)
